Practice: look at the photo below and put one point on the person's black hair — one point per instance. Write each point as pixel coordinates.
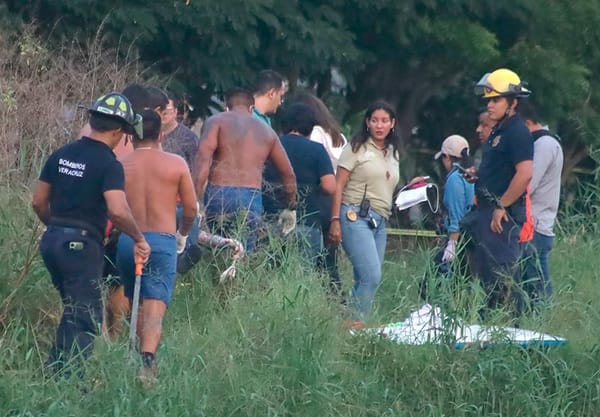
(238, 97)
(157, 98)
(137, 95)
(510, 99)
(464, 159)
(297, 117)
(152, 124)
(362, 136)
(527, 111)
(266, 80)
(175, 99)
(105, 123)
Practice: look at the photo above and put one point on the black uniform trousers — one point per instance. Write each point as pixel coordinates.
(495, 260)
(74, 258)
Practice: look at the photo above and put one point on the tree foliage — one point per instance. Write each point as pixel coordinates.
(423, 56)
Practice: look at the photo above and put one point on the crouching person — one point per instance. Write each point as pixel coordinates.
(153, 180)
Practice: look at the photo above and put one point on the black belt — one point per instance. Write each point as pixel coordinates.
(76, 231)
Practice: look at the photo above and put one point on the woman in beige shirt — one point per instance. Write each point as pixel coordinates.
(367, 175)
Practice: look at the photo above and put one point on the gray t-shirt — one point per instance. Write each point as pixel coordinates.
(183, 142)
(544, 188)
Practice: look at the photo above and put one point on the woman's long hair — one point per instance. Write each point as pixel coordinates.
(362, 136)
(323, 116)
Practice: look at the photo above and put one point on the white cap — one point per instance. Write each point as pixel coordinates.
(453, 146)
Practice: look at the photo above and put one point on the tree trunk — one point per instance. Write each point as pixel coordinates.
(573, 155)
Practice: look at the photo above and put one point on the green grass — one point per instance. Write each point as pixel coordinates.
(272, 344)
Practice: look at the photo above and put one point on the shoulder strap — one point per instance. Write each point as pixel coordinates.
(544, 132)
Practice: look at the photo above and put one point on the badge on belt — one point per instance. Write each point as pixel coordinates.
(351, 215)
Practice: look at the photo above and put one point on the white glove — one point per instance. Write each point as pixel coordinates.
(181, 240)
(237, 248)
(229, 273)
(450, 251)
(287, 220)
(238, 252)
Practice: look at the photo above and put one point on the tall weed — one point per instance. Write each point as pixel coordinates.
(272, 343)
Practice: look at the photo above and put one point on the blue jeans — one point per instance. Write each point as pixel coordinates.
(310, 242)
(328, 260)
(158, 276)
(537, 273)
(223, 205)
(365, 247)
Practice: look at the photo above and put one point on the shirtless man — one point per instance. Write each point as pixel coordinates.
(152, 194)
(233, 149)
(116, 306)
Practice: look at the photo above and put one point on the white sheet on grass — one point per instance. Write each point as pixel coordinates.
(429, 325)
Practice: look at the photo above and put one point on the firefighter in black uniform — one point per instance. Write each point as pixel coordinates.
(504, 175)
(80, 187)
